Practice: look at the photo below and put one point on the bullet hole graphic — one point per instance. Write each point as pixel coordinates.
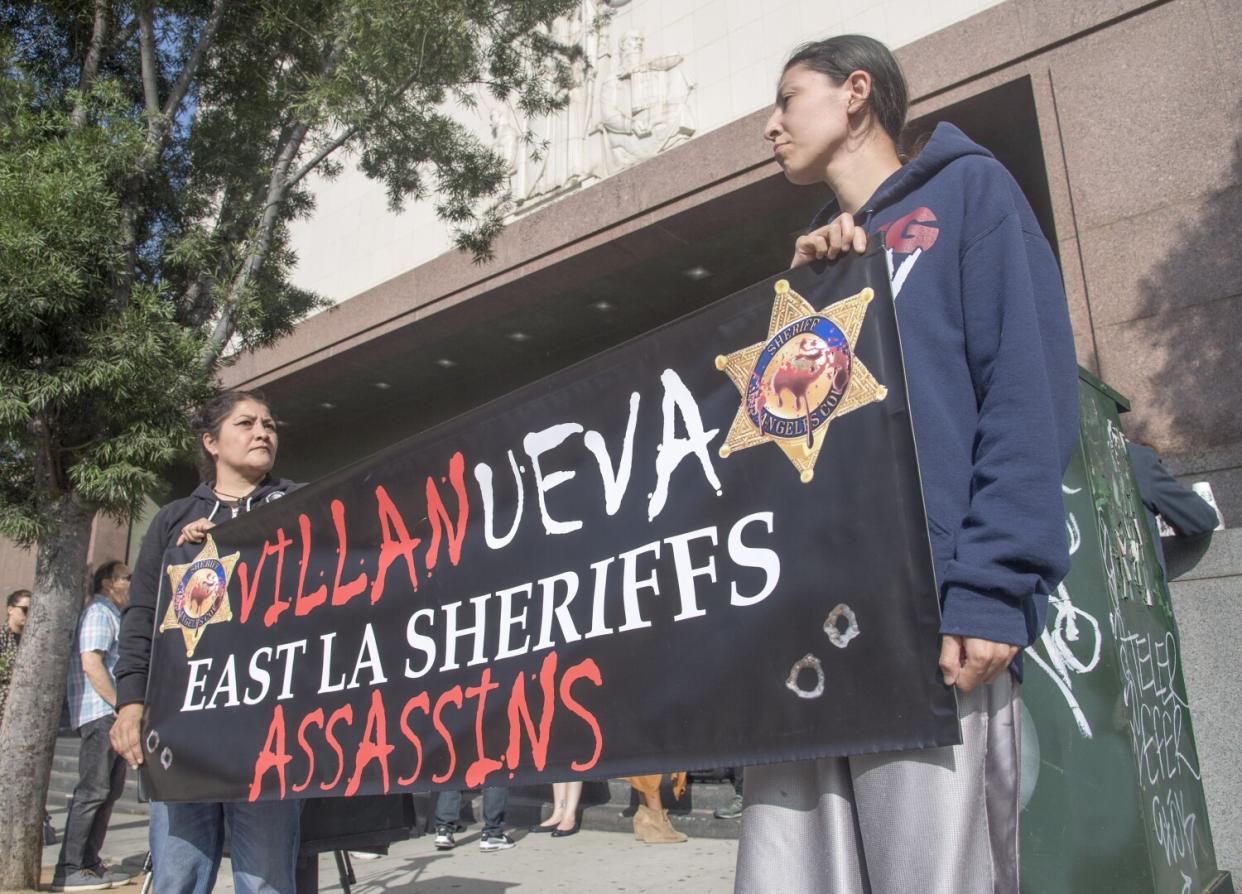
(811, 663)
(837, 635)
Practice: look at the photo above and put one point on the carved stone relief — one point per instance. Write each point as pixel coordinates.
(623, 108)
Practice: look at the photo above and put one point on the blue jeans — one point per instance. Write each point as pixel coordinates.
(187, 840)
(495, 800)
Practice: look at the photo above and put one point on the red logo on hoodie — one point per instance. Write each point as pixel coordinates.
(916, 230)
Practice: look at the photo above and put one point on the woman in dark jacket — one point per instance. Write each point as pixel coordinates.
(238, 438)
(989, 360)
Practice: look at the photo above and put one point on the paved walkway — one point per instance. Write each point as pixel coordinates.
(587, 862)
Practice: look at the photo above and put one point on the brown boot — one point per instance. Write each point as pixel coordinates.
(652, 827)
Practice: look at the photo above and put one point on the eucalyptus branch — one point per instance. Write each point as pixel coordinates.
(229, 231)
(349, 132)
(205, 40)
(78, 448)
(259, 247)
(123, 36)
(158, 127)
(90, 67)
(150, 80)
(192, 296)
(315, 160)
(127, 242)
(278, 188)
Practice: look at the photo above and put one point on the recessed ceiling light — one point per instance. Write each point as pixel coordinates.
(518, 336)
(328, 405)
(382, 386)
(696, 273)
(602, 305)
(446, 363)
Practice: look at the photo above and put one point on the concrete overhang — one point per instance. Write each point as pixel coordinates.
(600, 266)
(370, 371)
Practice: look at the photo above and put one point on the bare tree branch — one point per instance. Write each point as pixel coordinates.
(260, 246)
(150, 79)
(182, 84)
(193, 295)
(326, 150)
(158, 127)
(90, 67)
(278, 188)
(128, 244)
(123, 36)
(344, 137)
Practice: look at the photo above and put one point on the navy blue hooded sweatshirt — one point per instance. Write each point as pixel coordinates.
(992, 378)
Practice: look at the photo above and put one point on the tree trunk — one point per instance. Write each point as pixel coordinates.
(32, 711)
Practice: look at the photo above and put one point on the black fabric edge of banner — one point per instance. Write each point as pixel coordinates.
(918, 465)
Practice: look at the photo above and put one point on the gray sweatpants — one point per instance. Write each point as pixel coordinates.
(934, 820)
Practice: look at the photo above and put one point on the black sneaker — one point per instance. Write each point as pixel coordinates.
(444, 838)
(494, 841)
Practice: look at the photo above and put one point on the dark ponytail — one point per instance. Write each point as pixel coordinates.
(839, 57)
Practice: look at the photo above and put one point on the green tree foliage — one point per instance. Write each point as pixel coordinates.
(92, 391)
(152, 157)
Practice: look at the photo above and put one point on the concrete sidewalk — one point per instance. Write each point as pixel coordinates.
(588, 861)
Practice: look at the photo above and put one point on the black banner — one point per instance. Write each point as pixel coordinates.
(705, 547)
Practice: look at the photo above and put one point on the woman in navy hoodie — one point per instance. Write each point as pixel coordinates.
(237, 435)
(991, 375)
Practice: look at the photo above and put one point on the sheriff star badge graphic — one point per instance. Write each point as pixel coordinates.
(804, 375)
(200, 594)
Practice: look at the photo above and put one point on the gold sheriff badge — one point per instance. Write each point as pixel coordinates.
(200, 594)
(804, 375)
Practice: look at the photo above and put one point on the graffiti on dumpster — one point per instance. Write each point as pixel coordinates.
(1139, 638)
(1070, 643)
(1106, 694)
(1157, 713)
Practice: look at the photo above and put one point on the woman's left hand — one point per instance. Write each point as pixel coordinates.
(837, 238)
(968, 661)
(126, 734)
(195, 531)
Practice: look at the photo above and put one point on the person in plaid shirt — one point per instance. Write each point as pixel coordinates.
(101, 771)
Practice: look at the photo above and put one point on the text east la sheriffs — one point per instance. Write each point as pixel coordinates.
(498, 627)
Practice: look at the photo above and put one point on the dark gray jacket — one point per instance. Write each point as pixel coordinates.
(1186, 512)
(138, 622)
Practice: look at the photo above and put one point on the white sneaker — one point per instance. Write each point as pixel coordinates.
(364, 855)
(444, 839)
(496, 841)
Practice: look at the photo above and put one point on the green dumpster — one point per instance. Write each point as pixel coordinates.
(1111, 794)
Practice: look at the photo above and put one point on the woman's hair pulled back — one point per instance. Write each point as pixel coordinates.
(840, 56)
(210, 417)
